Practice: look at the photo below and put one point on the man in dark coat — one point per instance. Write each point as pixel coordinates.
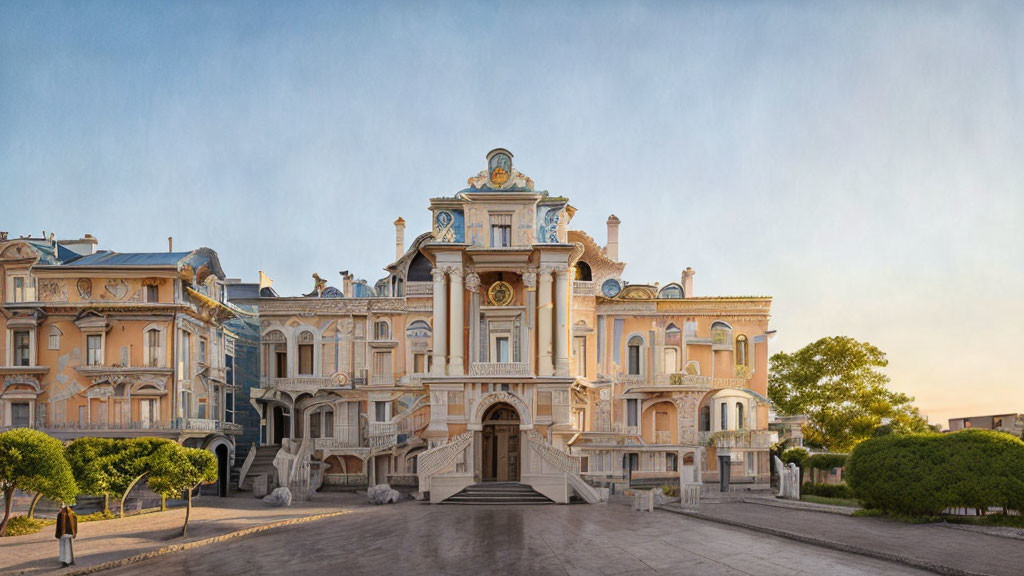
(67, 529)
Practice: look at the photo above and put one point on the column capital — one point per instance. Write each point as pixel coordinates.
(529, 278)
(454, 270)
(472, 282)
(437, 274)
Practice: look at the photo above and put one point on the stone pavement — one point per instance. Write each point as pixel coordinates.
(586, 540)
(923, 545)
(108, 540)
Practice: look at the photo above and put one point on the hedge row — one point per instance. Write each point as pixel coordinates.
(927, 473)
(827, 490)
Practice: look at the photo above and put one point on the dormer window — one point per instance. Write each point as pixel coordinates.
(501, 230)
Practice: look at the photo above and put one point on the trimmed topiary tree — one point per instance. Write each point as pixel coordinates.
(87, 457)
(925, 474)
(173, 468)
(33, 462)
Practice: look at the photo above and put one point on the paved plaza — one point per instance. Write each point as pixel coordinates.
(421, 539)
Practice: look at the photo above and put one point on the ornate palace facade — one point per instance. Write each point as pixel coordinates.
(99, 343)
(503, 346)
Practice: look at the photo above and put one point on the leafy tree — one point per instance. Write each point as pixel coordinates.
(837, 383)
(87, 457)
(174, 468)
(131, 463)
(34, 462)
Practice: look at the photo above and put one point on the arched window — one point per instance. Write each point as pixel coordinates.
(705, 418)
(583, 272)
(725, 416)
(55, 334)
(739, 416)
(381, 330)
(275, 354)
(721, 333)
(306, 341)
(634, 345)
(741, 350)
(153, 348)
(419, 269)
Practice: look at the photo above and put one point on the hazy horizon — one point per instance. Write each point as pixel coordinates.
(860, 163)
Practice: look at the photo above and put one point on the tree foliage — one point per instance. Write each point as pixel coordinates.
(924, 474)
(173, 469)
(107, 467)
(837, 383)
(33, 462)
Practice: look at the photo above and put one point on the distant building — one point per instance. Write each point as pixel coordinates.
(112, 344)
(1012, 423)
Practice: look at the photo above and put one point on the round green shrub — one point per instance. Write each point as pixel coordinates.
(924, 474)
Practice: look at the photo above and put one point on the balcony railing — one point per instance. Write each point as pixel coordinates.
(583, 288)
(383, 435)
(419, 288)
(740, 439)
(662, 437)
(623, 429)
(695, 382)
(382, 380)
(299, 383)
(499, 369)
(176, 424)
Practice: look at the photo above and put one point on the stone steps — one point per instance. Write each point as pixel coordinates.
(500, 493)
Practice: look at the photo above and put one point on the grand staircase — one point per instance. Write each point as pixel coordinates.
(502, 493)
(262, 463)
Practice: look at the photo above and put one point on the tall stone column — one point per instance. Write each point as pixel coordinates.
(544, 323)
(440, 326)
(473, 287)
(562, 322)
(457, 323)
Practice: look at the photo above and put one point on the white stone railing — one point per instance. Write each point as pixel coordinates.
(419, 288)
(383, 435)
(499, 368)
(740, 439)
(565, 463)
(412, 421)
(583, 288)
(441, 459)
(249, 458)
(382, 380)
(298, 384)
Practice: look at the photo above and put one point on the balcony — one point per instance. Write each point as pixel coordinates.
(623, 429)
(662, 437)
(383, 435)
(299, 384)
(583, 288)
(347, 437)
(685, 381)
(382, 380)
(419, 288)
(174, 425)
(499, 369)
(740, 439)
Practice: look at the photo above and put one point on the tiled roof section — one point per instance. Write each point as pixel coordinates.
(107, 258)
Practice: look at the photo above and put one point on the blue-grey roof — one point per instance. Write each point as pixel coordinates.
(106, 258)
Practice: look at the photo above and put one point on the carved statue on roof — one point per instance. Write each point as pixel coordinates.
(319, 283)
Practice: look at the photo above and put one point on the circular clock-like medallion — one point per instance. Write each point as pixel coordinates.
(500, 293)
(611, 288)
(499, 176)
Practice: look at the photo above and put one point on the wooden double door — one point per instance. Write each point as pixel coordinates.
(501, 451)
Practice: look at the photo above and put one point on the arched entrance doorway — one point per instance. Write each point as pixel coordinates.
(501, 444)
(280, 424)
(223, 472)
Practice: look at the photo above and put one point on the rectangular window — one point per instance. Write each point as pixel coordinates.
(202, 408)
(229, 406)
(579, 351)
(152, 294)
(543, 404)
(380, 411)
(634, 360)
(54, 342)
(186, 356)
(631, 409)
(725, 416)
(20, 414)
(229, 369)
(94, 346)
(501, 348)
(456, 403)
(19, 289)
(381, 331)
(314, 425)
(305, 359)
(22, 348)
(419, 363)
(501, 230)
(202, 350)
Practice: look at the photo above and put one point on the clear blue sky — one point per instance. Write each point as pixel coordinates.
(862, 162)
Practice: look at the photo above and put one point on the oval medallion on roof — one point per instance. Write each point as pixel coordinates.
(611, 288)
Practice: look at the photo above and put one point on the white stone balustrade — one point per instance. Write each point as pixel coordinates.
(499, 369)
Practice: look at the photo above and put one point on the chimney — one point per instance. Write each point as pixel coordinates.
(688, 282)
(612, 249)
(83, 246)
(399, 238)
(170, 243)
(346, 284)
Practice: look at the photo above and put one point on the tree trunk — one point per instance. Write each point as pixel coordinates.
(8, 502)
(32, 506)
(163, 503)
(188, 512)
(132, 485)
(106, 503)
